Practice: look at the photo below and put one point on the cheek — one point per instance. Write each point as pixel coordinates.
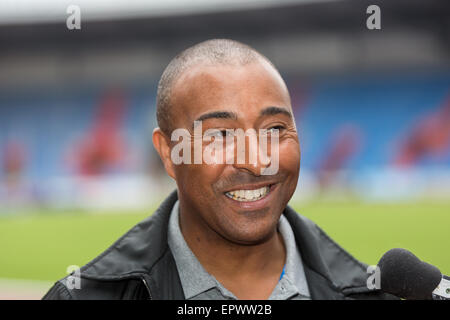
(290, 156)
(197, 179)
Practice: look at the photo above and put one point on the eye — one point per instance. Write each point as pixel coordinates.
(279, 128)
(219, 133)
(274, 129)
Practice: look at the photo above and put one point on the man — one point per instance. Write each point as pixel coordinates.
(226, 232)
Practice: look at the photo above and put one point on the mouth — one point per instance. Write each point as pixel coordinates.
(248, 194)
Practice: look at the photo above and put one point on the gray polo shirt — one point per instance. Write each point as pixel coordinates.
(198, 284)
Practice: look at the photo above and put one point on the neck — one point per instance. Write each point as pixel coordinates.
(229, 261)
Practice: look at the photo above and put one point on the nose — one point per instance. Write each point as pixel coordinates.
(250, 154)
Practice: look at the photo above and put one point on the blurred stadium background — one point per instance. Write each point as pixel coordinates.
(78, 169)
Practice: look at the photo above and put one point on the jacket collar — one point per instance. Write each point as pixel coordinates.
(138, 250)
(330, 270)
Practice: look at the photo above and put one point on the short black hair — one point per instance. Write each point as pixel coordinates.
(213, 52)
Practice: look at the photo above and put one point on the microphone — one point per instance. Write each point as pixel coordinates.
(404, 275)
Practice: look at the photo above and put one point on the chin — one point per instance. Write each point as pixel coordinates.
(251, 229)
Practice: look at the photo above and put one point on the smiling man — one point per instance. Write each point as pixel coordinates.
(227, 232)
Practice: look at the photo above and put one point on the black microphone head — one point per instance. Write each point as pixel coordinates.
(404, 275)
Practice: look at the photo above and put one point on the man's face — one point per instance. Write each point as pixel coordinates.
(236, 97)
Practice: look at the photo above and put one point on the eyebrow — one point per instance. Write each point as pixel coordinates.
(269, 111)
(216, 115)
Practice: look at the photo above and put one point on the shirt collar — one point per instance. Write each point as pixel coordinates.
(196, 280)
(293, 281)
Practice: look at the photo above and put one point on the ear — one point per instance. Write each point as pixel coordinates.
(162, 145)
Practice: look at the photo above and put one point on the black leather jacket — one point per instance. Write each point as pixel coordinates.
(140, 265)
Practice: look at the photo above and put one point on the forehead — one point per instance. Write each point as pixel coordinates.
(243, 89)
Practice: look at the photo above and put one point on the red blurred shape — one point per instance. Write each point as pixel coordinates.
(344, 143)
(430, 136)
(14, 158)
(102, 149)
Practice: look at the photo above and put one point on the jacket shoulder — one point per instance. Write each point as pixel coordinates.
(325, 256)
(58, 292)
(117, 273)
(92, 289)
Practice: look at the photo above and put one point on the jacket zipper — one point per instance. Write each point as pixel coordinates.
(148, 289)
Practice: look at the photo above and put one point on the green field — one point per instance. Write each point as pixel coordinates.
(41, 245)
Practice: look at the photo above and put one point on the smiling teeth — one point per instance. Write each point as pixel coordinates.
(248, 195)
